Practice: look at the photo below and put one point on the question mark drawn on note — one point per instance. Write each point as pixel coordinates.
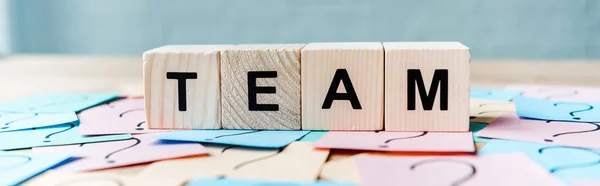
(139, 125)
(580, 165)
(252, 160)
(400, 138)
(107, 157)
(82, 98)
(236, 134)
(87, 181)
(10, 122)
(457, 182)
(13, 164)
(47, 138)
(572, 113)
(573, 132)
(481, 106)
(570, 93)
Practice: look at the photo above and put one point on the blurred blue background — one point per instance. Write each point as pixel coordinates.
(493, 29)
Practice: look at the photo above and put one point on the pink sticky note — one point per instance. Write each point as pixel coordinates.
(513, 169)
(139, 149)
(510, 126)
(116, 117)
(399, 141)
(559, 93)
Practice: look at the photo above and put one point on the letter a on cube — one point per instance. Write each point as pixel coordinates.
(342, 86)
(261, 87)
(426, 86)
(182, 88)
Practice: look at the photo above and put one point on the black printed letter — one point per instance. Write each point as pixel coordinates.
(341, 75)
(427, 99)
(253, 90)
(181, 77)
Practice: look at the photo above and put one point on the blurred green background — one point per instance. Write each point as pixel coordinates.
(493, 29)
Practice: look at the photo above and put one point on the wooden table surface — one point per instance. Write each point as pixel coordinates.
(24, 75)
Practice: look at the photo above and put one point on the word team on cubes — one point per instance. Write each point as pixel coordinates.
(365, 86)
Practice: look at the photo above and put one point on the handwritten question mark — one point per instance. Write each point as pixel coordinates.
(489, 111)
(47, 138)
(588, 164)
(458, 181)
(13, 163)
(10, 122)
(87, 180)
(400, 138)
(570, 93)
(139, 125)
(236, 134)
(107, 157)
(573, 132)
(252, 160)
(590, 107)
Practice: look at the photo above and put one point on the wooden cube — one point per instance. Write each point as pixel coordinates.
(342, 86)
(426, 86)
(182, 87)
(261, 87)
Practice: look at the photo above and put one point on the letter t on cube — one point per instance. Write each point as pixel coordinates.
(182, 88)
(426, 86)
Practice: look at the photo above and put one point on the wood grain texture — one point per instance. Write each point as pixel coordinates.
(364, 64)
(202, 94)
(426, 56)
(486, 111)
(237, 62)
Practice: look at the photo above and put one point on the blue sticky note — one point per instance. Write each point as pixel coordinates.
(16, 168)
(494, 94)
(48, 136)
(56, 102)
(313, 136)
(476, 127)
(557, 110)
(18, 121)
(248, 138)
(228, 182)
(566, 163)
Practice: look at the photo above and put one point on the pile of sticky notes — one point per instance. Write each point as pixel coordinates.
(522, 135)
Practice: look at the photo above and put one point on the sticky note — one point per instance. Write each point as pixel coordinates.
(56, 102)
(249, 138)
(558, 93)
(476, 127)
(399, 141)
(48, 136)
(510, 126)
(566, 163)
(120, 116)
(494, 94)
(513, 169)
(486, 111)
(313, 136)
(557, 110)
(18, 121)
(229, 182)
(15, 168)
(139, 149)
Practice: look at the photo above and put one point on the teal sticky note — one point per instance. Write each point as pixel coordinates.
(18, 121)
(56, 102)
(557, 110)
(476, 127)
(16, 168)
(566, 163)
(228, 182)
(248, 138)
(48, 136)
(313, 136)
(494, 94)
